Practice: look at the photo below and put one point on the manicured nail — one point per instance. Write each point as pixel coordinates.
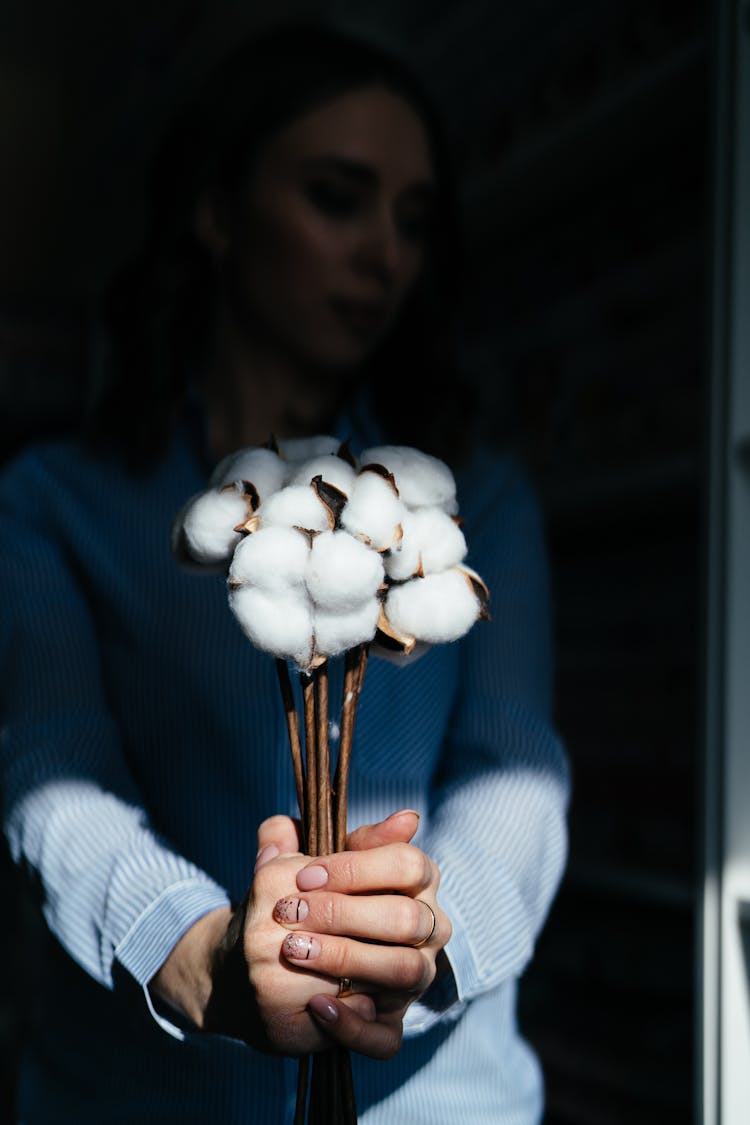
(322, 1007)
(265, 854)
(301, 947)
(291, 910)
(310, 878)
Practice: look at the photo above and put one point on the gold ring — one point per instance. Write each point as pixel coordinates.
(345, 987)
(432, 928)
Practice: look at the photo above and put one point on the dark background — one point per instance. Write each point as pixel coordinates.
(584, 138)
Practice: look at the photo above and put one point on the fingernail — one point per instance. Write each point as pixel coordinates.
(301, 947)
(310, 878)
(402, 811)
(291, 910)
(322, 1007)
(265, 854)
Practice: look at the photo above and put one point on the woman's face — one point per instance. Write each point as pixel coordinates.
(328, 236)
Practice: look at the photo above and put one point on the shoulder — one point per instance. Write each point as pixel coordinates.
(61, 475)
(58, 467)
(42, 456)
(38, 468)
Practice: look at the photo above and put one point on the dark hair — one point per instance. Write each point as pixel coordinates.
(156, 311)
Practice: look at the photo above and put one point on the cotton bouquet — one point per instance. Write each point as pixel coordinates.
(330, 555)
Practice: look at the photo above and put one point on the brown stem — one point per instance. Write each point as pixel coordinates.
(363, 655)
(310, 844)
(325, 832)
(334, 1085)
(330, 1081)
(303, 1078)
(354, 674)
(292, 725)
(345, 1086)
(311, 778)
(305, 805)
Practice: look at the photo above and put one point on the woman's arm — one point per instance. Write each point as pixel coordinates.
(497, 828)
(111, 888)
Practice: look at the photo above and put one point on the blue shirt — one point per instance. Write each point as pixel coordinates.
(143, 741)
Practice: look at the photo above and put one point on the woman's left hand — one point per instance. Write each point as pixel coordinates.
(369, 917)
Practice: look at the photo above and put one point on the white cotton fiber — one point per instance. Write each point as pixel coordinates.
(404, 560)
(272, 558)
(303, 449)
(423, 481)
(336, 632)
(275, 623)
(437, 608)
(208, 521)
(334, 470)
(342, 572)
(431, 539)
(262, 467)
(374, 511)
(295, 506)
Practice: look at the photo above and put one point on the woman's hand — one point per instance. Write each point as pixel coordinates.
(228, 973)
(257, 995)
(370, 917)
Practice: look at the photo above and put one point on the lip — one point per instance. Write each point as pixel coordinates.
(364, 318)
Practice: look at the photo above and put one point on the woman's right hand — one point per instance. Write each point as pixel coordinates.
(227, 975)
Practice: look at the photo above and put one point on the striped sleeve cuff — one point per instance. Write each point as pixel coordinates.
(440, 1003)
(484, 956)
(153, 935)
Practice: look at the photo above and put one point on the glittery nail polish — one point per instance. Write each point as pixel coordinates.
(291, 910)
(301, 947)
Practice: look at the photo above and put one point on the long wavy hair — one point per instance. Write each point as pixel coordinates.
(156, 312)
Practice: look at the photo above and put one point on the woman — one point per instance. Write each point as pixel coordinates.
(297, 277)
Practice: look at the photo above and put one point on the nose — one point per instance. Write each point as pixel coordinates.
(381, 250)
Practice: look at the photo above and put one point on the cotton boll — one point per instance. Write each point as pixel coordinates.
(443, 541)
(342, 572)
(432, 541)
(296, 450)
(374, 511)
(335, 632)
(272, 558)
(205, 528)
(405, 559)
(423, 481)
(280, 624)
(437, 608)
(262, 467)
(296, 506)
(334, 470)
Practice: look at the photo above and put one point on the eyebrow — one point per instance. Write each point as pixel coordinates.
(359, 171)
